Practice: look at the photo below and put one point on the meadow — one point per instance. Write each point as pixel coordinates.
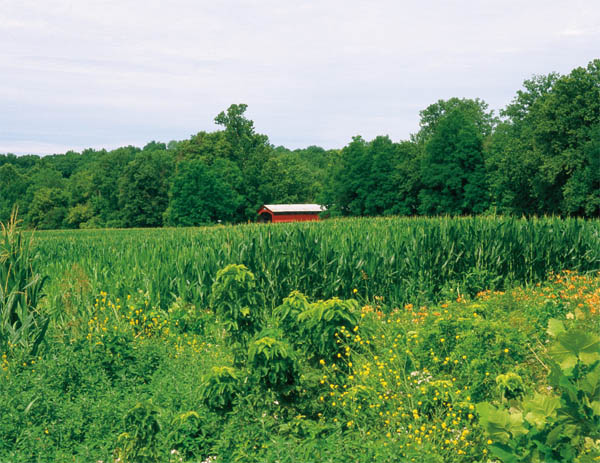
(396, 339)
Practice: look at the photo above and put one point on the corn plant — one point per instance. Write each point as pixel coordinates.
(22, 325)
(409, 260)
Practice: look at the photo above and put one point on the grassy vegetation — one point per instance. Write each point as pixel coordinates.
(404, 259)
(354, 340)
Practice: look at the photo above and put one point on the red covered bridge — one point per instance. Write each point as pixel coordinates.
(290, 212)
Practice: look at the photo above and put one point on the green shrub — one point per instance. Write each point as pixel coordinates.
(286, 314)
(238, 304)
(322, 324)
(140, 442)
(189, 318)
(193, 434)
(219, 388)
(273, 362)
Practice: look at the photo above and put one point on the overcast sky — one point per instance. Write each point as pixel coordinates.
(77, 74)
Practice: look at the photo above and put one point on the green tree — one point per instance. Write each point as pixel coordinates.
(568, 120)
(582, 189)
(13, 187)
(347, 188)
(200, 196)
(107, 168)
(453, 168)
(144, 189)
(382, 183)
(407, 178)
(48, 209)
(474, 110)
(543, 157)
(250, 151)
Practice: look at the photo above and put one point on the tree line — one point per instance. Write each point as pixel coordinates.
(539, 156)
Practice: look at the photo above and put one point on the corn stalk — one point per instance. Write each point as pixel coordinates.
(22, 325)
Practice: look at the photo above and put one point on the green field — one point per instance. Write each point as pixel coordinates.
(344, 340)
(404, 259)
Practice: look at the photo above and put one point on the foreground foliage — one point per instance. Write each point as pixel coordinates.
(332, 380)
(563, 423)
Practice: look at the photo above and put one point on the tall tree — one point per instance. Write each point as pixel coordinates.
(107, 168)
(200, 196)
(542, 159)
(48, 209)
(381, 183)
(347, 187)
(475, 110)
(250, 151)
(13, 187)
(407, 175)
(144, 189)
(453, 168)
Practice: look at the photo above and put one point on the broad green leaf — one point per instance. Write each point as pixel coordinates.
(591, 383)
(554, 436)
(540, 408)
(504, 452)
(555, 327)
(516, 424)
(575, 344)
(500, 424)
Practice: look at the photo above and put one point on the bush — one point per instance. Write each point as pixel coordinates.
(140, 441)
(238, 304)
(219, 388)
(323, 322)
(273, 362)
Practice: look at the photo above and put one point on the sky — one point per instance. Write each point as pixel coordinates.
(103, 74)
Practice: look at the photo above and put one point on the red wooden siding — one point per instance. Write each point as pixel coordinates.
(295, 217)
(266, 215)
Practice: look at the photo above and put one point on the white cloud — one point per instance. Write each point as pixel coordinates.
(36, 147)
(575, 32)
(312, 72)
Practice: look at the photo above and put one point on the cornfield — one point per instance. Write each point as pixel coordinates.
(403, 259)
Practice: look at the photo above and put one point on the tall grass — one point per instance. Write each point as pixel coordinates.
(404, 259)
(21, 323)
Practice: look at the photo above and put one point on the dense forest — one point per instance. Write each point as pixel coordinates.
(539, 156)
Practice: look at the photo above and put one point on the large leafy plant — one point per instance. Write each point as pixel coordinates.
(239, 306)
(323, 322)
(140, 442)
(562, 425)
(273, 362)
(219, 388)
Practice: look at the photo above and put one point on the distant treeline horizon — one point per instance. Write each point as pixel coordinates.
(539, 156)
